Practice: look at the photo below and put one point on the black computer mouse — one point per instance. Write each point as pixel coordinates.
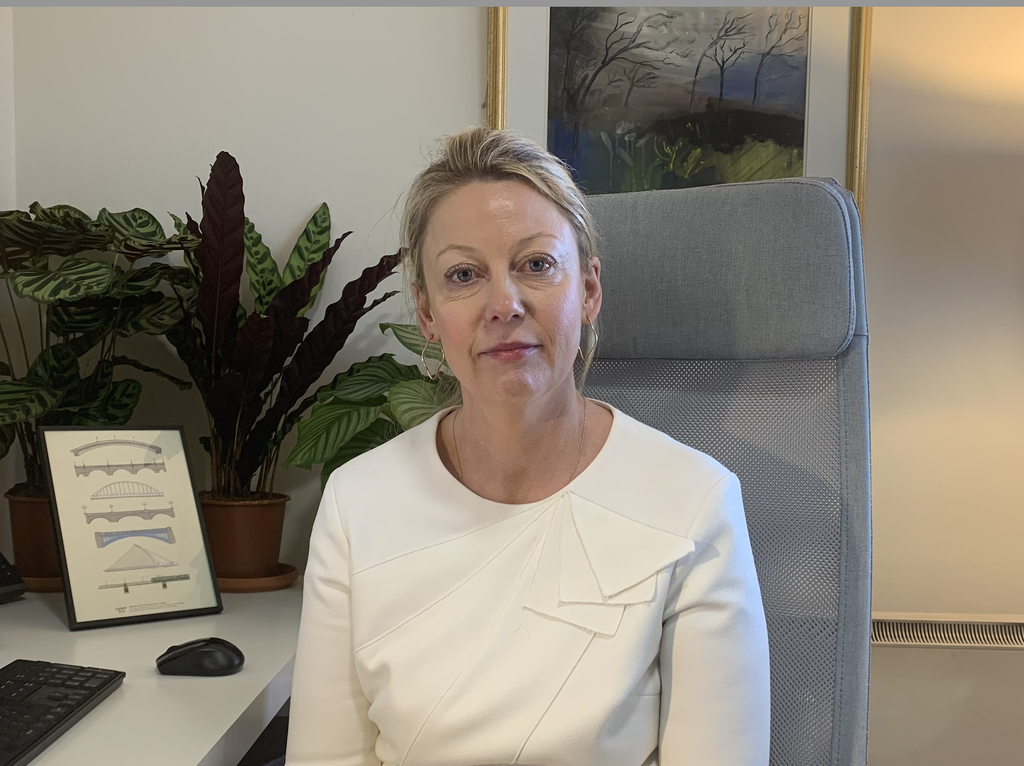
(202, 657)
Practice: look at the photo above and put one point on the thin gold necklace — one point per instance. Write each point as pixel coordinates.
(579, 454)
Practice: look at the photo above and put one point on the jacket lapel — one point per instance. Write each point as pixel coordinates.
(595, 562)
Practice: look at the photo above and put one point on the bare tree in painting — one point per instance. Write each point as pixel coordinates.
(726, 55)
(572, 24)
(777, 42)
(621, 47)
(638, 78)
(618, 45)
(731, 30)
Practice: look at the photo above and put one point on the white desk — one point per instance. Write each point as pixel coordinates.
(164, 720)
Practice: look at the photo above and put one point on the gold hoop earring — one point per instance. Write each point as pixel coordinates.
(426, 367)
(589, 356)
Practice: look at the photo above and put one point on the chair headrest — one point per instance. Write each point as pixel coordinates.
(760, 270)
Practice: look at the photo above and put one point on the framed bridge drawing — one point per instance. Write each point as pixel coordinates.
(129, 532)
(641, 98)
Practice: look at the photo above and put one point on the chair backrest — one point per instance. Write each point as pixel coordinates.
(734, 321)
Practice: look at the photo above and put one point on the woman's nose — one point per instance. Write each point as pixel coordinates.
(504, 300)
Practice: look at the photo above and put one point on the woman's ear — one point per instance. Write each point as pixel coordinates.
(592, 289)
(423, 313)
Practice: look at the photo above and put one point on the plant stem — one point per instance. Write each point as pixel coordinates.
(19, 429)
(44, 337)
(33, 468)
(7, 349)
(274, 453)
(17, 319)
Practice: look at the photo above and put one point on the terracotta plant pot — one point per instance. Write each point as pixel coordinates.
(245, 537)
(34, 541)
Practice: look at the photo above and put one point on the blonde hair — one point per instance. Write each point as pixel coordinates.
(484, 154)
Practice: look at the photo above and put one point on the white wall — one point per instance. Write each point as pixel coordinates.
(316, 104)
(944, 261)
(7, 202)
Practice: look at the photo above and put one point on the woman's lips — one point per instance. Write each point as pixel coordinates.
(509, 352)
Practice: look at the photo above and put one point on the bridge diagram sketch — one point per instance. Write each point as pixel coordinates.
(156, 466)
(161, 581)
(164, 534)
(138, 557)
(99, 443)
(122, 490)
(130, 524)
(144, 512)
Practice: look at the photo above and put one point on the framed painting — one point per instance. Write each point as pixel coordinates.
(636, 98)
(129, 531)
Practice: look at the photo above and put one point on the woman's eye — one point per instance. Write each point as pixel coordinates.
(537, 265)
(462, 275)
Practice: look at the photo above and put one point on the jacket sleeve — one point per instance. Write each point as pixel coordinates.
(715, 704)
(328, 722)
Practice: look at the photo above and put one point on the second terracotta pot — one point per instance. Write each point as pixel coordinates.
(244, 534)
(34, 541)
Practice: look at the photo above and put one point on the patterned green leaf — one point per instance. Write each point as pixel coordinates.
(96, 400)
(190, 256)
(115, 408)
(367, 380)
(310, 245)
(415, 401)
(409, 335)
(27, 242)
(179, 225)
(135, 223)
(378, 432)
(75, 278)
(264, 278)
(152, 318)
(22, 400)
(310, 248)
(65, 318)
(328, 427)
(152, 314)
(59, 214)
(56, 367)
(80, 394)
(8, 435)
(96, 316)
(17, 231)
(133, 249)
(141, 281)
(138, 233)
(83, 344)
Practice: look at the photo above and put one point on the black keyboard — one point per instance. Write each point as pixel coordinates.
(39, 701)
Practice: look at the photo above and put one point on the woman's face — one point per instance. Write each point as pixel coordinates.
(503, 290)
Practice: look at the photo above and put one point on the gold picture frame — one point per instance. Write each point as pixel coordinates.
(498, 30)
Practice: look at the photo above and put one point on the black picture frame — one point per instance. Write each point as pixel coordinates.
(123, 492)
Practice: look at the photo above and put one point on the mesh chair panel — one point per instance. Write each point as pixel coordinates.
(776, 425)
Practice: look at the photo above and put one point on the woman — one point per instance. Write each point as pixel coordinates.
(533, 577)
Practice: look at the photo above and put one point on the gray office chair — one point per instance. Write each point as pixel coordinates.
(734, 321)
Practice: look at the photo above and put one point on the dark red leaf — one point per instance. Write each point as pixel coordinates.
(285, 306)
(312, 357)
(252, 352)
(221, 253)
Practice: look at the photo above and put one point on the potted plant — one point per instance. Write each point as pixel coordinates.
(57, 367)
(370, 403)
(254, 369)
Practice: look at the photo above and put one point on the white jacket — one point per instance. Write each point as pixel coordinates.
(616, 623)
